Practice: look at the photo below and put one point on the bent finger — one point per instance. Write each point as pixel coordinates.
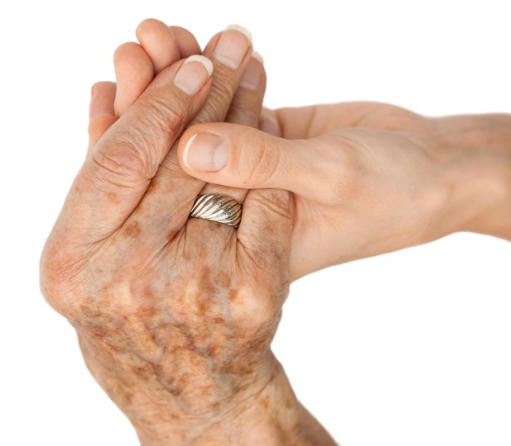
(186, 41)
(172, 189)
(159, 42)
(118, 170)
(134, 71)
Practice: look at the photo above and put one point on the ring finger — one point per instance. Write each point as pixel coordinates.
(245, 109)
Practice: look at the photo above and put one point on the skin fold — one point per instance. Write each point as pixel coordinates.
(175, 316)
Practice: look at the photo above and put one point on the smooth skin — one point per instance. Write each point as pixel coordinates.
(367, 178)
(175, 316)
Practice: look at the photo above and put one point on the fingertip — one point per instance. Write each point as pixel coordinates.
(256, 55)
(234, 47)
(186, 41)
(147, 25)
(232, 155)
(159, 43)
(254, 76)
(134, 71)
(126, 50)
(240, 29)
(194, 74)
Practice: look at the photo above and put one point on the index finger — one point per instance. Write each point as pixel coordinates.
(119, 168)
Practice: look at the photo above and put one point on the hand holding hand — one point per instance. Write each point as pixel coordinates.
(367, 178)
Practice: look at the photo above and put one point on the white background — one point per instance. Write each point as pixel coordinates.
(411, 348)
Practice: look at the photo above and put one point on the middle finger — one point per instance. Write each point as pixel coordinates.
(167, 203)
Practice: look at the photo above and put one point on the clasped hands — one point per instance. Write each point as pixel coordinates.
(175, 316)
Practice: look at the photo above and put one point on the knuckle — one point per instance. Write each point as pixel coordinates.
(260, 313)
(160, 118)
(164, 112)
(262, 316)
(133, 155)
(124, 49)
(120, 164)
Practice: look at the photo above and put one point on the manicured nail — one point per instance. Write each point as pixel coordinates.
(232, 46)
(268, 124)
(193, 74)
(206, 152)
(242, 30)
(252, 75)
(258, 56)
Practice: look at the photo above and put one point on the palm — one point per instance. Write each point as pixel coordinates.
(354, 214)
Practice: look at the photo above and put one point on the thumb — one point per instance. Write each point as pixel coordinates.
(239, 156)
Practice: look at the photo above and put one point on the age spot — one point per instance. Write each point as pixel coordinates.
(113, 197)
(233, 295)
(145, 312)
(132, 230)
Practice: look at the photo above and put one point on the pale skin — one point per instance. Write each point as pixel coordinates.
(175, 317)
(367, 178)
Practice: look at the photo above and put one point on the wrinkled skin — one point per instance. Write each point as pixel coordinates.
(183, 321)
(174, 315)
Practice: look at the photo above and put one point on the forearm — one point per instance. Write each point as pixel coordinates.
(272, 417)
(474, 155)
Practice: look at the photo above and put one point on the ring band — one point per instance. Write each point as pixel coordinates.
(217, 208)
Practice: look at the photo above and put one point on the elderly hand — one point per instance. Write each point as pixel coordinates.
(174, 315)
(367, 178)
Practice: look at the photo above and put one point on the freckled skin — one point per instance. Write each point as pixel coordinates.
(132, 230)
(174, 327)
(175, 316)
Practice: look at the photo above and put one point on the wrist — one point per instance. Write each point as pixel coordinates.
(267, 414)
(473, 154)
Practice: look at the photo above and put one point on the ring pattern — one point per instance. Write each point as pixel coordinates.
(217, 208)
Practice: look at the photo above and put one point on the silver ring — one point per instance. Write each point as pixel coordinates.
(217, 208)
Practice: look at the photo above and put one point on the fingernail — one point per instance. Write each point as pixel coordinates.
(206, 152)
(193, 74)
(269, 124)
(232, 46)
(258, 56)
(252, 75)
